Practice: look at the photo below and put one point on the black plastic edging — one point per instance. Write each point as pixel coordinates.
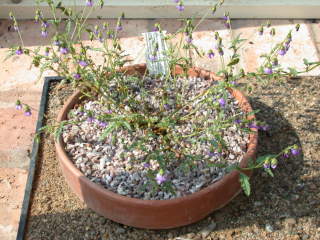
(34, 157)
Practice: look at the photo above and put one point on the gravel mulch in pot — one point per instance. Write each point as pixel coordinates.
(284, 207)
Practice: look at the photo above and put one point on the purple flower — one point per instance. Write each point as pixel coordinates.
(266, 165)
(188, 39)
(155, 29)
(27, 113)
(80, 113)
(44, 33)
(295, 151)
(18, 105)
(220, 51)
(119, 28)
(175, 1)
(146, 165)
(268, 70)
(108, 112)
(253, 125)
(213, 154)
(286, 155)
(76, 76)
(211, 54)
(45, 24)
(160, 178)
(153, 58)
(180, 7)
(222, 102)
(89, 3)
(275, 62)
(237, 121)
(282, 51)
(265, 127)
(216, 35)
(19, 51)
(225, 17)
(166, 106)
(102, 124)
(274, 163)
(261, 31)
(56, 42)
(16, 28)
(227, 24)
(90, 119)
(83, 63)
(64, 50)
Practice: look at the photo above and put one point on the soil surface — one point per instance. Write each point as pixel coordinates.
(284, 207)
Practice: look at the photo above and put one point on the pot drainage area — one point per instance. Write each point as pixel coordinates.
(284, 207)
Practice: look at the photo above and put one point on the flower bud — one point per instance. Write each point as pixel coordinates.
(274, 163)
(266, 163)
(273, 32)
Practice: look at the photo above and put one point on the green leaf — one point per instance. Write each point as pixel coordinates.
(108, 130)
(306, 62)
(268, 170)
(245, 184)
(293, 71)
(126, 125)
(233, 62)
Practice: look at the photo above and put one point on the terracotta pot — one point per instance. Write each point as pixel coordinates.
(154, 214)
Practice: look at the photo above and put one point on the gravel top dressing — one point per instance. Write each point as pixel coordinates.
(119, 164)
(284, 207)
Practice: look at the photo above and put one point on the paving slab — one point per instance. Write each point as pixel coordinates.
(12, 185)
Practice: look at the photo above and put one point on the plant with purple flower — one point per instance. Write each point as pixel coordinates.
(295, 151)
(77, 76)
(189, 38)
(149, 111)
(266, 163)
(27, 111)
(83, 63)
(64, 50)
(19, 51)
(160, 177)
(102, 124)
(274, 163)
(180, 6)
(44, 33)
(268, 70)
(222, 102)
(273, 31)
(146, 165)
(260, 31)
(89, 3)
(18, 105)
(45, 24)
(210, 54)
